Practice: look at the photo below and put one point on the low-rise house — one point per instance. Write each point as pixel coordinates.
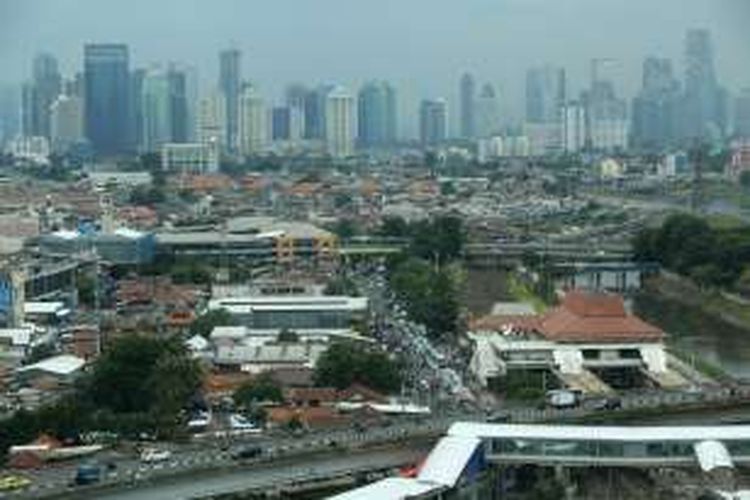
(55, 372)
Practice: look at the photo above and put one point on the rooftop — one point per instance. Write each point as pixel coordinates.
(64, 364)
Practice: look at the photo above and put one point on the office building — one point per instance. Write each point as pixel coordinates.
(573, 118)
(230, 76)
(433, 122)
(742, 114)
(607, 126)
(656, 107)
(190, 158)
(546, 93)
(487, 112)
(315, 112)
(296, 96)
(281, 123)
(10, 103)
(39, 94)
(704, 102)
(468, 106)
(340, 123)
(156, 111)
(377, 115)
(179, 114)
(253, 122)
(107, 109)
(66, 122)
(211, 120)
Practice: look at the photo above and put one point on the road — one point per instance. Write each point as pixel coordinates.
(269, 475)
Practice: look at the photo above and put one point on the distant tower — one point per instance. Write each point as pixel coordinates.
(156, 111)
(433, 122)
(703, 99)
(39, 94)
(546, 93)
(253, 122)
(468, 106)
(377, 115)
(107, 97)
(230, 75)
(487, 112)
(340, 123)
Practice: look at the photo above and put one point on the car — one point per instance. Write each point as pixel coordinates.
(239, 422)
(499, 417)
(155, 455)
(13, 482)
(87, 474)
(247, 453)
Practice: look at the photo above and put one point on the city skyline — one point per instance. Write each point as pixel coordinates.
(489, 48)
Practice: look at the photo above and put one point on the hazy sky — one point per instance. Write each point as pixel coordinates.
(421, 45)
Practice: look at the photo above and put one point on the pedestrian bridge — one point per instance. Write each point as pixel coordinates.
(460, 458)
(709, 447)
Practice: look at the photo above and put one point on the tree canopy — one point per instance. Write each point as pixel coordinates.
(345, 363)
(261, 389)
(205, 323)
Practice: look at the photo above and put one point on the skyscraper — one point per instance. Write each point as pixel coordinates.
(487, 112)
(315, 112)
(177, 80)
(468, 106)
(66, 123)
(340, 122)
(546, 93)
(607, 126)
(211, 120)
(156, 111)
(573, 127)
(253, 122)
(281, 123)
(107, 97)
(433, 122)
(296, 100)
(655, 108)
(377, 115)
(704, 101)
(230, 75)
(39, 94)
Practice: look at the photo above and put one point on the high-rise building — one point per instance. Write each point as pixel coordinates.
(433, 122)
(39, 94)
(281, 123)
(10, 103)
(704, 104)
(156, 111)
(573, 126)
(230, 76)
(607, 125)
(315, 112)
(742, 114)
(211, 120)
(377, 115)
(253, 122)
(487, 112)
(66, 123)
(340, 122)
(546, 93)
(468, 106)
(656, 107)
(177, 80)
(107, 95)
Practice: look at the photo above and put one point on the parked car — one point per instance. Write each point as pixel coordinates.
(155, 455)
(247, 453)
(87, 474)
(562, 399)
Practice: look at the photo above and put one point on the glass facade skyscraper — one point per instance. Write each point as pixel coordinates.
(433, 122)
(377, 115)
(107, 94)
(230, 76)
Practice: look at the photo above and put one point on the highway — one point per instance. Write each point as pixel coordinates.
(264, 476)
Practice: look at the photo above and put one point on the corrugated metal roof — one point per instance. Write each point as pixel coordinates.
(448, 460)
(392, 488)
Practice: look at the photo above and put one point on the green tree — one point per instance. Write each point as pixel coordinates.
(745, 179)
(138, 374)
(287, 336)
(205, 323)
(345, 363)
(394, 227)
(439, 240)
(261, 389)
(341, 285)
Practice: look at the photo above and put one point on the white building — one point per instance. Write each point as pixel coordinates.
(254, 123)
(35, 149)
(340, 120)
(609, 134)
(573, 128)
(544, 138)
(66, 122)
(210, 127)
(587, 331)
(192, 158)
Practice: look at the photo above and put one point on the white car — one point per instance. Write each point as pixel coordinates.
(154, 455)
(241, 423)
